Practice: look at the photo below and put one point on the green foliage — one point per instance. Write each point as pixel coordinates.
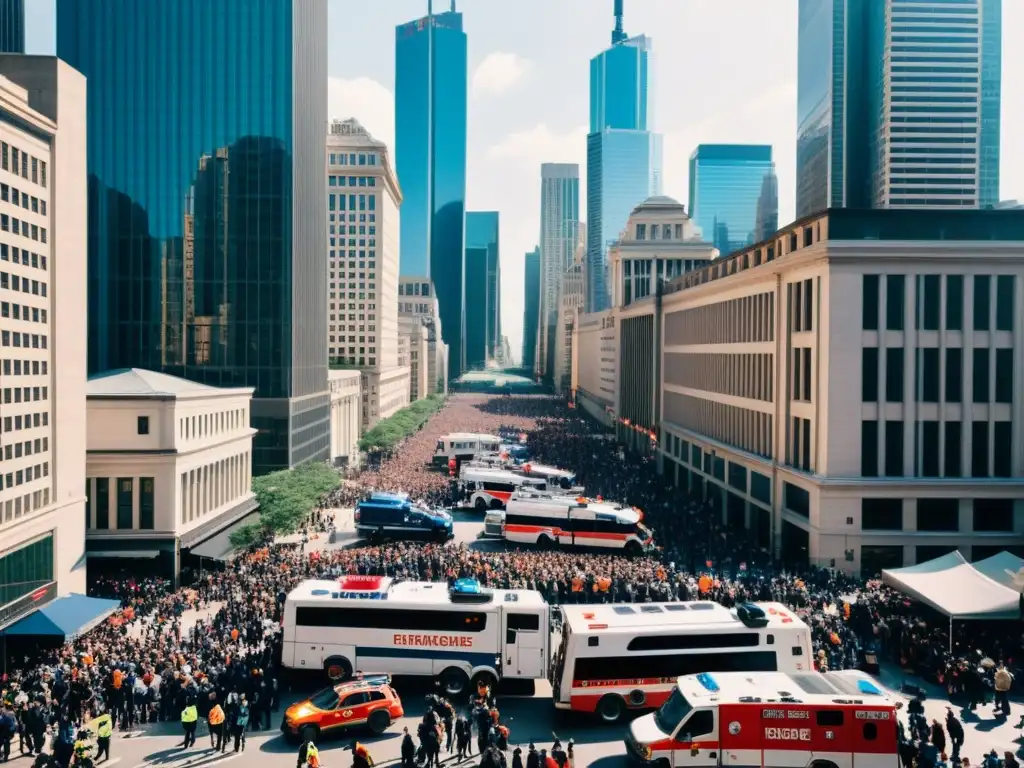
(389, 432)
(246, 536)
(286, 498)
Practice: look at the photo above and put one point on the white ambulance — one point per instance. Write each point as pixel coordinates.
(553, 519)
(810, 720)
(463, 446)
(491, 487)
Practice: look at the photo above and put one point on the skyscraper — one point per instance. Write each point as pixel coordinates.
(207, 217)
(725, 186)
(531, 308)
(767, 207)
(925, 76)
(559, 227)
(623, 156)
(430, 127)
(12, 26)
(482, 287)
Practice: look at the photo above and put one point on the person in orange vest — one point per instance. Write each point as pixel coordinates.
(215, 719)
(361, 757)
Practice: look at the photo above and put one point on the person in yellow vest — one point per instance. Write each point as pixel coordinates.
(189, 723)
(104, 726)
(215, 719)
(308, 755)
(361, 757)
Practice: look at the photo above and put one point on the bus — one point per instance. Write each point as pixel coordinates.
(459, 635)
(617, 658)
(463, 446)
(485, 487)
(550, 519)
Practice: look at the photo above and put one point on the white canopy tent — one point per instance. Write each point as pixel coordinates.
(1006, 568)
(952, 586)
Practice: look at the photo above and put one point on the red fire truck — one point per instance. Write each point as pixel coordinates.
(834, 720)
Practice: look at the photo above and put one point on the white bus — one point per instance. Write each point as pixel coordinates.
(614, 658)
(490, 488)
(463, 446)
(549, 519)
(457, 635)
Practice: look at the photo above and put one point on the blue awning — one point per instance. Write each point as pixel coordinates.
(66, 617)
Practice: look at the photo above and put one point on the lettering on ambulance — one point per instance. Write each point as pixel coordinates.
(631, 682)
(433, 641)
(787, 734)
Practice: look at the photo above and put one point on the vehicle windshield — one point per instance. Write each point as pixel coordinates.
(643, 529)
(440, 445)
(325, 699)
(671, 713)
(422, 508)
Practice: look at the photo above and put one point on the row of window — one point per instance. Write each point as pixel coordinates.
(207, 424)
(930, 382)
(352, 158)
(886, 514)
(210, 487)
(16, 282)
(352, 181)
(25, 340)
(22, 256)
(25, 570)
(414, 289)
(21, 163)
(747, 375)
(26, 475)
(25, 448)
(25, 394)
(25, 504)
(746, 429)
(938, 449)
(659, 232)
(800, 298)
(930, 292)
(16, 196)
(97, 515)
(746, 319)
(19, 312)
(26, 421)
(798, 444)
(25, 367)
(363, 217)
(352, 203)
(23, 228)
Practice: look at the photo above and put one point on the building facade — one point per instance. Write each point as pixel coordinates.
(727, 182)
(531, 309)
(363, 202)
(849, 390)
(929, 81)
(417, 302)
(206, 243)
(430, 128)
(416, 331)
(767, 222)
(12, 26)
(169, 466)
(571, 300)
(42, 170)
(346, 417)
(483, 287)
(559, 234)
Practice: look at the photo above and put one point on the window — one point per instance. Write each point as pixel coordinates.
(881, 514)
(142, 425)
(829, 717)
(689, 642)
(954, 303)
(929, 303)
(526, 622)
(102, 503)
(894, 449)
(894, 375)
(894, 296)
(869, 317)
(796, 499)
(412, 620)
(951, 465)
(869, 375)
(1002, 437)
(982, 301)
(869, 448)
(954, 374)
(125, 516)
(980, 375)
(700, 723)
(1004, 375)
(979, 449)
(938, 515)
(929, 449)
(1004, 303)
(24, 570)
(147, 520)
(993, 515)
(672, 665)
(928, 375)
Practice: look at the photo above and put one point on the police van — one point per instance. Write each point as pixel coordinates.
(775, 719)
(395, 516)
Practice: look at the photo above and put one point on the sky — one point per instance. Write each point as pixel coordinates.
(724, 71)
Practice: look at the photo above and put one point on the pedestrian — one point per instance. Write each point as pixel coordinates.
(104, 730)
(956, 734)
(532, 758)
(361, 757)
(463, 738)
(1003, 682)
(308, 753)
(8, 728)
(189, 723)
(938, 736)
(408, 749)
(215, 721)
(517, 757)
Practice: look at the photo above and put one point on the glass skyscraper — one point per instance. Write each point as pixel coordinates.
(483, 287)
(207, 214)
(531, 308)
(726, 182)
(12, 26)
(430, 128)
(623, 156)
(924, 75)
(559, 228)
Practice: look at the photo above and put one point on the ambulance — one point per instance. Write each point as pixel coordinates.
(808, 720)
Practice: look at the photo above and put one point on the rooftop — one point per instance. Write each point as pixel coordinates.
(138, 382)
(659, 203)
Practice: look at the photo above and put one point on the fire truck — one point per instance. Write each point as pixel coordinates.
(832, 720)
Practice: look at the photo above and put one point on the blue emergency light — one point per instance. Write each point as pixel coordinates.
(708, 682)
(868, 688)
(466, 587)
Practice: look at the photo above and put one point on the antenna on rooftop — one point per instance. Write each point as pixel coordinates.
(618, 35)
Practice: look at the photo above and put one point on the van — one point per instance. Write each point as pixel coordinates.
(394, 516)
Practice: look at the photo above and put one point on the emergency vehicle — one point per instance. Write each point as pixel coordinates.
(613, 658)
(557, 479)
(832, 720)
(549, 519)
(367, 701)
(456, 635)
(463, 446)
(490, 488)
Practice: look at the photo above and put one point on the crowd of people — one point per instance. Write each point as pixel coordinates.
(146, 665)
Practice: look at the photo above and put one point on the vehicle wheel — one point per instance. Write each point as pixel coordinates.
(610, 709)
(379, 722)
(495, 504)
(545, 542)
(338, 669)
(633, 549)
(480, 504)
(454, 682)
(309, 733)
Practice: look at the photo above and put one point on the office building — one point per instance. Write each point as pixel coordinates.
(418, 302)
(849, 391)
(208, 227)
(925, 77)
(430, 127)
(416, 332)
(767, 222)
(531, 309)
(483, 287)
(168, 468)
(559, 231)
(624, 159)
(363, 201)
(12, 26)
(726, 185)
(346, 416)
(42, 259)
(572, 295)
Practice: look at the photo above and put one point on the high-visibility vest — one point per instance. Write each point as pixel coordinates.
(577, 584)
(117, 678)
(189, 714)
(104, 727)
(216, 716)
(312, 754)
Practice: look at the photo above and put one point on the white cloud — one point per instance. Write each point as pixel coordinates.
(542, 145)
(500, 72)
(369, 102)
